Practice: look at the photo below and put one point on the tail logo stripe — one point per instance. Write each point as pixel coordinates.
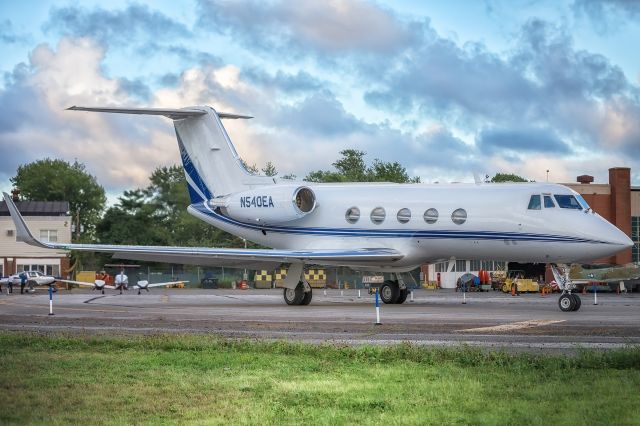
(196, 183)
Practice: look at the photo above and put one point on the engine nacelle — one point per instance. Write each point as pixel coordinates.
(270, 205)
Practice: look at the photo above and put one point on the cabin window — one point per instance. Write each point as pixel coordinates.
(567, 202)
(459, 216)
(404, 215)
(534, 202)
(377, 215)
(431, 216)
(548, 202)
(352, 215)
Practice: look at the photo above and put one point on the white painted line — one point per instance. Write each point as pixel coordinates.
(512, 326)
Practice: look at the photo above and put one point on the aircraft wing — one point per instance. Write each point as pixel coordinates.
(207, 256)
(161, 284)
(85, 284)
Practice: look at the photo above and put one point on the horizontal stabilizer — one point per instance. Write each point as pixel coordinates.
(174, 114)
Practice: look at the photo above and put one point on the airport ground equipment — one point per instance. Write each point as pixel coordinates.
(523, 285)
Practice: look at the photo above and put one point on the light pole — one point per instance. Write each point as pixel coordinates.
(547, 175)
(245, 276)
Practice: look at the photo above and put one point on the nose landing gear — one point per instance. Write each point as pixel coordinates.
(568, 301)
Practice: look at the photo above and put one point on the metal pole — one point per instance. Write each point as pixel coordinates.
(377, 309)
(358, 293)
(464, 295)
(595, 294)
(411, 296)
(50, 300)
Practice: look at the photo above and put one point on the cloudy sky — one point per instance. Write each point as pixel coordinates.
(445, 88)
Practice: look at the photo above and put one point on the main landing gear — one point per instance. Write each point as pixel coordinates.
(301, 295)
(568, 301)
(391, 293)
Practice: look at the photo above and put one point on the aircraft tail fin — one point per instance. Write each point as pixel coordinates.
(210, 161)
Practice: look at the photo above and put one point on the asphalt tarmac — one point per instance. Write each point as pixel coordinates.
(528, 322)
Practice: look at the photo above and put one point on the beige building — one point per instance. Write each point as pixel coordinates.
(49, 221)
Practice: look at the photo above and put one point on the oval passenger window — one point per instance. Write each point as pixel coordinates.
(352, 215)
(459, 216)
(431, 215)
(377, 215)
(404, 215)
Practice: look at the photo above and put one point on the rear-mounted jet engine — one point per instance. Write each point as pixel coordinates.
(269, 205)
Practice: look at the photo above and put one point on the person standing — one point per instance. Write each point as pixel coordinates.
(23, 281)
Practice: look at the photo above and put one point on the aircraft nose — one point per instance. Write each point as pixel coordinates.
(619, 238)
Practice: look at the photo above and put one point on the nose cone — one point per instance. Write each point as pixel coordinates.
(625, 240)
(618, 239)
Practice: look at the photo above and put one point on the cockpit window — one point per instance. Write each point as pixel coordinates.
(548, 202)
(567, 202)
(534, 202)
(582, 202)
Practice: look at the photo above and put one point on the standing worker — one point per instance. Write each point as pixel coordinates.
(23, 281)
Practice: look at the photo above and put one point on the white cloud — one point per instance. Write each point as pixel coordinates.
(120, 151)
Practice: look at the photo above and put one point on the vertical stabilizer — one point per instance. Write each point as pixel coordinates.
(211, 164)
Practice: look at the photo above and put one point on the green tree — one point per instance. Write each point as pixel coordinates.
(58, 180)
(351, 167)
(507, 177)
(269, 169)
(157, 215)
(253, 169)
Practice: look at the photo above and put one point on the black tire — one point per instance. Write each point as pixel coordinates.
(389, 292)
(307, 297)
(566, 302)
(403, 296)
(294, 296)
(577, 301)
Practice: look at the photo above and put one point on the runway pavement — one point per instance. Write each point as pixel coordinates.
(436, 318)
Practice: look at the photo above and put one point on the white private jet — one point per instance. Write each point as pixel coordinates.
(381, 227)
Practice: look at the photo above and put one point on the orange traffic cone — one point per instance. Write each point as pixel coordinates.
(513, 289)
(543, 291)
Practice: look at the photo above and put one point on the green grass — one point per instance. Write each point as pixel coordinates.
(202, 380)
